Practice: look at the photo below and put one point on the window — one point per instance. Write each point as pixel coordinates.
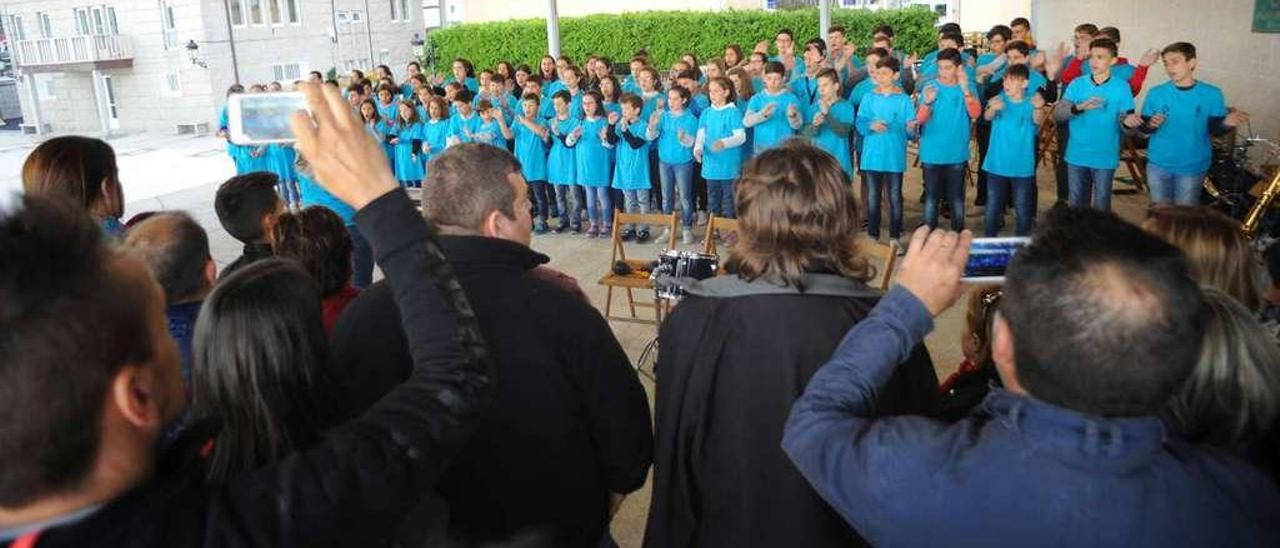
(46, 25)
(287, 73)
(168, 25)
(384, 57)
(13, 28)
(237, 12)
(82, 21)
(274, 12)
(255, 13)
(291, 12)
(170, 85)
(112, 26)
(46, 87)
(399, 10)
(357, 16)
(404, 11)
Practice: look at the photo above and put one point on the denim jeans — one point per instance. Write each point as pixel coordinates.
(1169, 187)
(677, 177)
(637, 201)
(720, 197)
(878, 181)
(599, 205)
(567, 203)
(1084, 183)
(1024, 203)
(361, 259)
(948, 178)
(538, 194)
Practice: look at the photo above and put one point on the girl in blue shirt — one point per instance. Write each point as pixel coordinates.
(374, 125)
(531, 136)
(591, 152)
(562, 163)
(885, 119)
(675, 131)
(1011, 157)
(465, 124)
(464, 73)
(830, 120)
(435, 131)
(717, 146)
(406, 138)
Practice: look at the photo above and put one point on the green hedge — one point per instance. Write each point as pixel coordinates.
(667, 34)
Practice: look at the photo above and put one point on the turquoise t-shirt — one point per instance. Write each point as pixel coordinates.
(860, 90)
(459, 127)
(491, 133)
(698, 103)
(1093, 140)
(434, 133)
(591, 154)
(828, 139)
(885, 151)
(944, 139)
(650, 102)
(805, 90)
(716, 124)
(777, 128)
(531, 151)
(987, 58)
(1012, 152)
(1181, 145)
(670, 149)
(799, 68)
(632, 169)
(312, 194)
(562, 161)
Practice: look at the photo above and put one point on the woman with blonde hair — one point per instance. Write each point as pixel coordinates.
(740, 348)
(1218, 252)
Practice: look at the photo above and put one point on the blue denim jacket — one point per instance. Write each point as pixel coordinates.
(1017, 472)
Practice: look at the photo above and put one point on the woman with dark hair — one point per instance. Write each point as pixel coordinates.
(82, 170)
(740, 348)
(262, 367)
(317, 239)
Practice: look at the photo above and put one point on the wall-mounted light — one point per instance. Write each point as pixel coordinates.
(193, 53)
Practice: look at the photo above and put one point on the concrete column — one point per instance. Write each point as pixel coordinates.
(553, 29)
(33, 96)
(100, 101)
(824, 18)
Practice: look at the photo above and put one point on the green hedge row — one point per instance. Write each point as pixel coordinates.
(666, 34)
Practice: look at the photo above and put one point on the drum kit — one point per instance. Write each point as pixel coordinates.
(671, 271)
(1238, 186)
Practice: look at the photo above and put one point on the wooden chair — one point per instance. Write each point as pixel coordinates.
(639, 279)
(1135, 162)
(889, 254)
(1050, 146)
(723, 224)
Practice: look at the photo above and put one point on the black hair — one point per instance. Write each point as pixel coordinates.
(1018, 46)
(954, 37)
(683, 93)
(1086, 28)
(890, 62)
(687, 74)
(464, 95)
(1020, 22)
(243, 201)
(68, 323)
(1187, 49)
(318, 240)
(1105, 316)
(886, 30)
(414, 64)
(1018, 71)
(879, 52)
(950, 28)
(829, 74)
(818, 43)
(319, 75)
(1001, 31)
(235, 88)
(951, 54)
(262, 366)
(837, 28)
(1107, 44)
(563, 95)
(1110, 32)
(787, 32)
(176, 255)
(774, 67)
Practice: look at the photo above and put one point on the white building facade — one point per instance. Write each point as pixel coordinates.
(165, 65)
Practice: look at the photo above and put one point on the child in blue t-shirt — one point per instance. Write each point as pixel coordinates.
(773, 113)
(531, 136)
(716, 146)
(675, 131)
(591, 152)
(948, 105)
(465, 123)
(562, 163)
(1179, 117)
(375, 126)
(631, 175)
(885, 119)
(830, 120)
(493, 129)
(406, 137)
(435, 131)
(1015, 116)
(1098, 106)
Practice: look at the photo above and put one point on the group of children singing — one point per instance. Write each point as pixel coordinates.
(589, 143)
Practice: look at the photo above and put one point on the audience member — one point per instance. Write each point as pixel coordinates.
(569, 433)
(1232, 399)
(965, 389)
(1098, 327)
(317, 239)
(247, 206)
(175, 248)
(1219, 254)
(89, 377)
(312, 194)
(83, 170)
(739, 349)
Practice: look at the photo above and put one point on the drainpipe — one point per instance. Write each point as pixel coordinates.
(231, 40)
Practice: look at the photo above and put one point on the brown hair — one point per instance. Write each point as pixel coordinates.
(743, 88)
(796, 212)
(318, 240)
(984, 301)
(75, 168)
(465, 183)
(1217, 251)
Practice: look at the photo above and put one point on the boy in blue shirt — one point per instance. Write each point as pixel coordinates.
(1015, 116)
(948, 104)
(493, 129)
(631, 173)
(716, 147)
(465, 123)
(885, 118)
(805, 84)
(531, 136)
(1097, 107)
(562, 164)
(786, 43)
(1179, 116)
(830, 120)
(773, 113)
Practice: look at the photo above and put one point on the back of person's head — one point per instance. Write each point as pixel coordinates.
(1232, 398)
(262, 367)
(176, 250)
(796, 214)
(80, 169)
(318, 240)
(1104, 316)
(81, 329)
(1218, 252)
(466, 183)
(243, 201)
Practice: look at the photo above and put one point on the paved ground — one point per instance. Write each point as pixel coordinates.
(181, 172)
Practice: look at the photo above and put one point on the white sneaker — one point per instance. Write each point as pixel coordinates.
(662, 238)
(702, 218)
(687, 237)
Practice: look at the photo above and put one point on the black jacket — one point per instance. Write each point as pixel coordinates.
(734, 357)
(570, 421)
(354, 486)
(252, 253)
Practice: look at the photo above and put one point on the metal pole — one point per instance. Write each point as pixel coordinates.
(368, 33)
(553, 29)
(824, 18)
(231, 40)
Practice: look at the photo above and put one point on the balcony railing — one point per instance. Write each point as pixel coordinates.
(72, 50)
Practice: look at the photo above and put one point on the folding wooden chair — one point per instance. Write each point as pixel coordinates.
(1135, 162)
(1050, 145)
(888, 252)
(722, 224)
(635, 280)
